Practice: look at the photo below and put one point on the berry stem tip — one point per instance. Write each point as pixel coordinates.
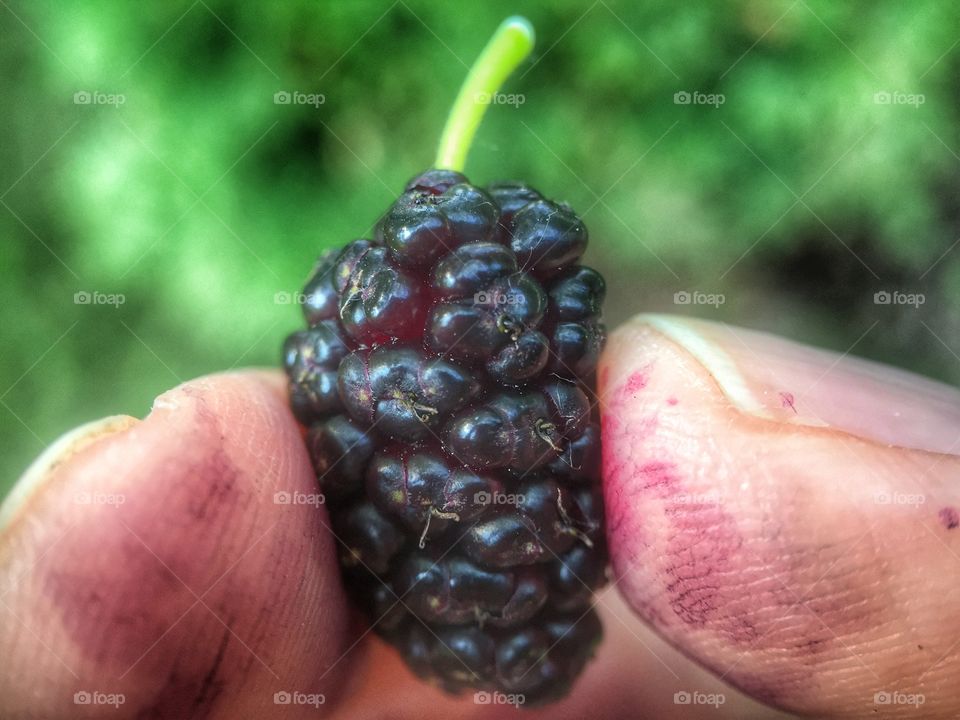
(509, 46)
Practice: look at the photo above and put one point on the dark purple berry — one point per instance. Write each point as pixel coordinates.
(580, 459)
(511, 196)
(420, 489)
(575, 348)
(456, 591)
(344, 266)
(320, 296)
(575, 575)
(530, 593)
(416, 645)
(311, 358)
(518, 655)
(586, 514)
(435, 181)
(520, 360)
(445, 382)
(471, 269)
(575, 636)
(506, 539)
(463, 656)
(549, 507)
(471, 329)
(367, 538)
(572, 640)
(417, 233)
(511, 430)
(547, 237)
(472, 214)
(340, 450)
(404, 393)
(424, 224)
(385, 608)
(577, 294)
(381, 302)
(464, 332)
(518, 297)
(569, 408)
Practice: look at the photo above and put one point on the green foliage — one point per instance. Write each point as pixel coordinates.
(199, 198)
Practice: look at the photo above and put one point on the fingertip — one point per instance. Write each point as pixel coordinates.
(261, 386)
(782, 525)
(57, 456)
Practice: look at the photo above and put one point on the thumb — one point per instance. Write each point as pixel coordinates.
(159, 568)
(785, 516)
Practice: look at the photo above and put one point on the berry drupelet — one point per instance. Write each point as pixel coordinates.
(445, 380)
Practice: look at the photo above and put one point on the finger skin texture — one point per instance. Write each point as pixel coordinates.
(780, 540)
(152, 561)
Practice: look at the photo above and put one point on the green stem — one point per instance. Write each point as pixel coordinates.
(508, 47)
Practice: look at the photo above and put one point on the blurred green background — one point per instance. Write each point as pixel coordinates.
(828, 173)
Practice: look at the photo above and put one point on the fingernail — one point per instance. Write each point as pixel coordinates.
(776, 379)
(59, 452)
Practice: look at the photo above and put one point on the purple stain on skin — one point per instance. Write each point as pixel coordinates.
(788, 401)
(638, 381)
(718, 579)
(702, 540)
(701, 545)
(949, 517)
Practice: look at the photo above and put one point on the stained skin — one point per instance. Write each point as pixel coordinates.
(790, 547)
